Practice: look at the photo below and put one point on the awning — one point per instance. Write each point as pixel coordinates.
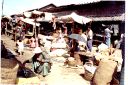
(27, 14)
(29, 21)
(48, 17)
(74, 17)
(37, 12)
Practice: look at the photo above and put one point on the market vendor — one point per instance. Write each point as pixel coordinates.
(40, 62)
(108, 36)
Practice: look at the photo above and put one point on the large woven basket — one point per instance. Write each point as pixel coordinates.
(88, 75)
(9, 69)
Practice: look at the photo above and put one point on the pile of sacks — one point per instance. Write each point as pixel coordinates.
(109, 62)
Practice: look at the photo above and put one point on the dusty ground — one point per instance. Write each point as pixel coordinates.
(59, 75)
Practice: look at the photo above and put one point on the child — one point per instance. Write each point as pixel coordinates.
(20, 47)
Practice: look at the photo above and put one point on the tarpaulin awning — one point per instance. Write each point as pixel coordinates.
(48, 17)
(27, 14)
(29, 21)
(74, 17)
(37, 12)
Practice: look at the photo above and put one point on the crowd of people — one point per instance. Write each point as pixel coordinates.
(59, 41)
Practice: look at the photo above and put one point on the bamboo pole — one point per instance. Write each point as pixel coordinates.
(35, 33)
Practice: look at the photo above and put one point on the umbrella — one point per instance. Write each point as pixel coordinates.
(77, 37)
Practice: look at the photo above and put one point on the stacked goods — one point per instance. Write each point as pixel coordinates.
(108, 62)
(9, 69)
(111, 54)
(104, 72)
(117, 56)
(102, 47)
(100, 56)
(106, 54)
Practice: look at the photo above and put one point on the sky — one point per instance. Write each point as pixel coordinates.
(19, 6)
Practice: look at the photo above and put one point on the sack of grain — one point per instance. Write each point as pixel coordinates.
(104, 72)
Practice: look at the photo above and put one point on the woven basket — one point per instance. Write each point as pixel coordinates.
(88, 75)
(9, 69)
(72, 63)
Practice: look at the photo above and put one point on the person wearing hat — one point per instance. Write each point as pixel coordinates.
(40, 62)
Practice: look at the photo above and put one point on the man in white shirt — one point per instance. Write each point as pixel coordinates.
(89, 38)
(108, 36)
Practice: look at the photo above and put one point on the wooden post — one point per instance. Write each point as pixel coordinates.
(35, 34)
(35, 28)
(15, 34)
(6, 29)
(73, 41)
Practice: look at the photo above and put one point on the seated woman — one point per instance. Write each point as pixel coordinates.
(40, 62)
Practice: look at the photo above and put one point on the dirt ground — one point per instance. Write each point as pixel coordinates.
(59, 75)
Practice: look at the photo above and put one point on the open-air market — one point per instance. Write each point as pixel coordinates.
(74, 44)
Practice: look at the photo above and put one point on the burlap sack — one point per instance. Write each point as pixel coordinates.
(104, 72)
